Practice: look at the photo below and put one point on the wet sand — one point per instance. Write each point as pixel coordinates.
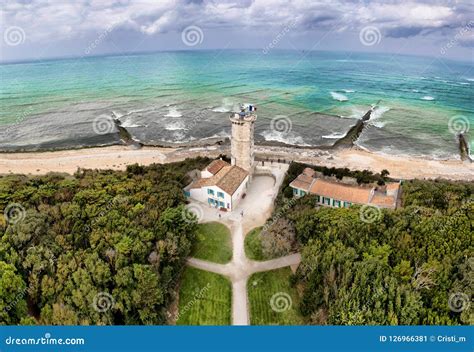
(118, 157)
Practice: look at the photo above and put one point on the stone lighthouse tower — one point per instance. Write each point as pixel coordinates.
(242, 139)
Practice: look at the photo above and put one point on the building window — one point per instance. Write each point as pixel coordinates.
(318, 199)
(326, 201)
(210, 191)
(211, 201)
(221, 204)
(228, 205)
(220, 194)
(347, 204)
(336, 203)
(302, 193)
(295, 191)
(187, 194)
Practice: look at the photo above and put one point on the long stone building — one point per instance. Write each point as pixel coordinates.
(332, 193)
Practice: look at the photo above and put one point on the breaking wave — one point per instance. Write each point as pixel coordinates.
(227, 106)
(175, 126)
(335, 136)
(173, 112)
(339, 96)
(282, 137)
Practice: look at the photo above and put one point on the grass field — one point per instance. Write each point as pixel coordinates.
(213, 243)
(253, 247)
(204, 299)
(272, 300)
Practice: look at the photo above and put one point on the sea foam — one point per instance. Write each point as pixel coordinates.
(427, 97)
(339, 96)
(282, 137)
(335, 136)
(175, 126)
(378, 111)
(128, 123)
(356, 112)
(227, 106)
(173, 112)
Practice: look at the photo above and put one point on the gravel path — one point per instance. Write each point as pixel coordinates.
(256, 207)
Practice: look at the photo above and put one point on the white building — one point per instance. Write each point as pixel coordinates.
(222, 185)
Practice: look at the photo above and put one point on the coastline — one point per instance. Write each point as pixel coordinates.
(118, 157)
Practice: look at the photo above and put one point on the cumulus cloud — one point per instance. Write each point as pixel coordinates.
(63, 20)
(151, 17)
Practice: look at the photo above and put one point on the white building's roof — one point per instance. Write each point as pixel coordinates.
(228, 178)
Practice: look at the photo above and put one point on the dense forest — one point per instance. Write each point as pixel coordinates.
(108, 247)
(98, 247)
(410, 266)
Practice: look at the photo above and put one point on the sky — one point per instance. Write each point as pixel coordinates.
(42, 29)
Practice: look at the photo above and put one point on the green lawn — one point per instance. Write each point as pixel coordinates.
(204, 299)
(253, 247)
(272, 300)
(213, 243)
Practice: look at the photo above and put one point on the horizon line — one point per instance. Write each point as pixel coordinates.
(150, 52)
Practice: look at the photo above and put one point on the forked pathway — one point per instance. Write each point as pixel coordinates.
(256, 208)
(239, 270)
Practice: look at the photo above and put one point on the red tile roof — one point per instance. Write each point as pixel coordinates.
(216, 165)
(353, 194)
(232, 179)
(303, 182)
(228, 178)
(385, 197)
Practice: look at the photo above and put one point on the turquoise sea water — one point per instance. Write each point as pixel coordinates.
(179, 97)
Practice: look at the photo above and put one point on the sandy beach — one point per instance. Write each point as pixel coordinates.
(118, 157)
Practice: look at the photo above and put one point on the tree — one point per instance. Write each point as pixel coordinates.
(13, 294)
(278, 239)
(98, 237)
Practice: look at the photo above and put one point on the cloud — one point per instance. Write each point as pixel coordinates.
(43, 21)
(152, 17)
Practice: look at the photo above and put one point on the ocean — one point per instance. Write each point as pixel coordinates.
(305, 98)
